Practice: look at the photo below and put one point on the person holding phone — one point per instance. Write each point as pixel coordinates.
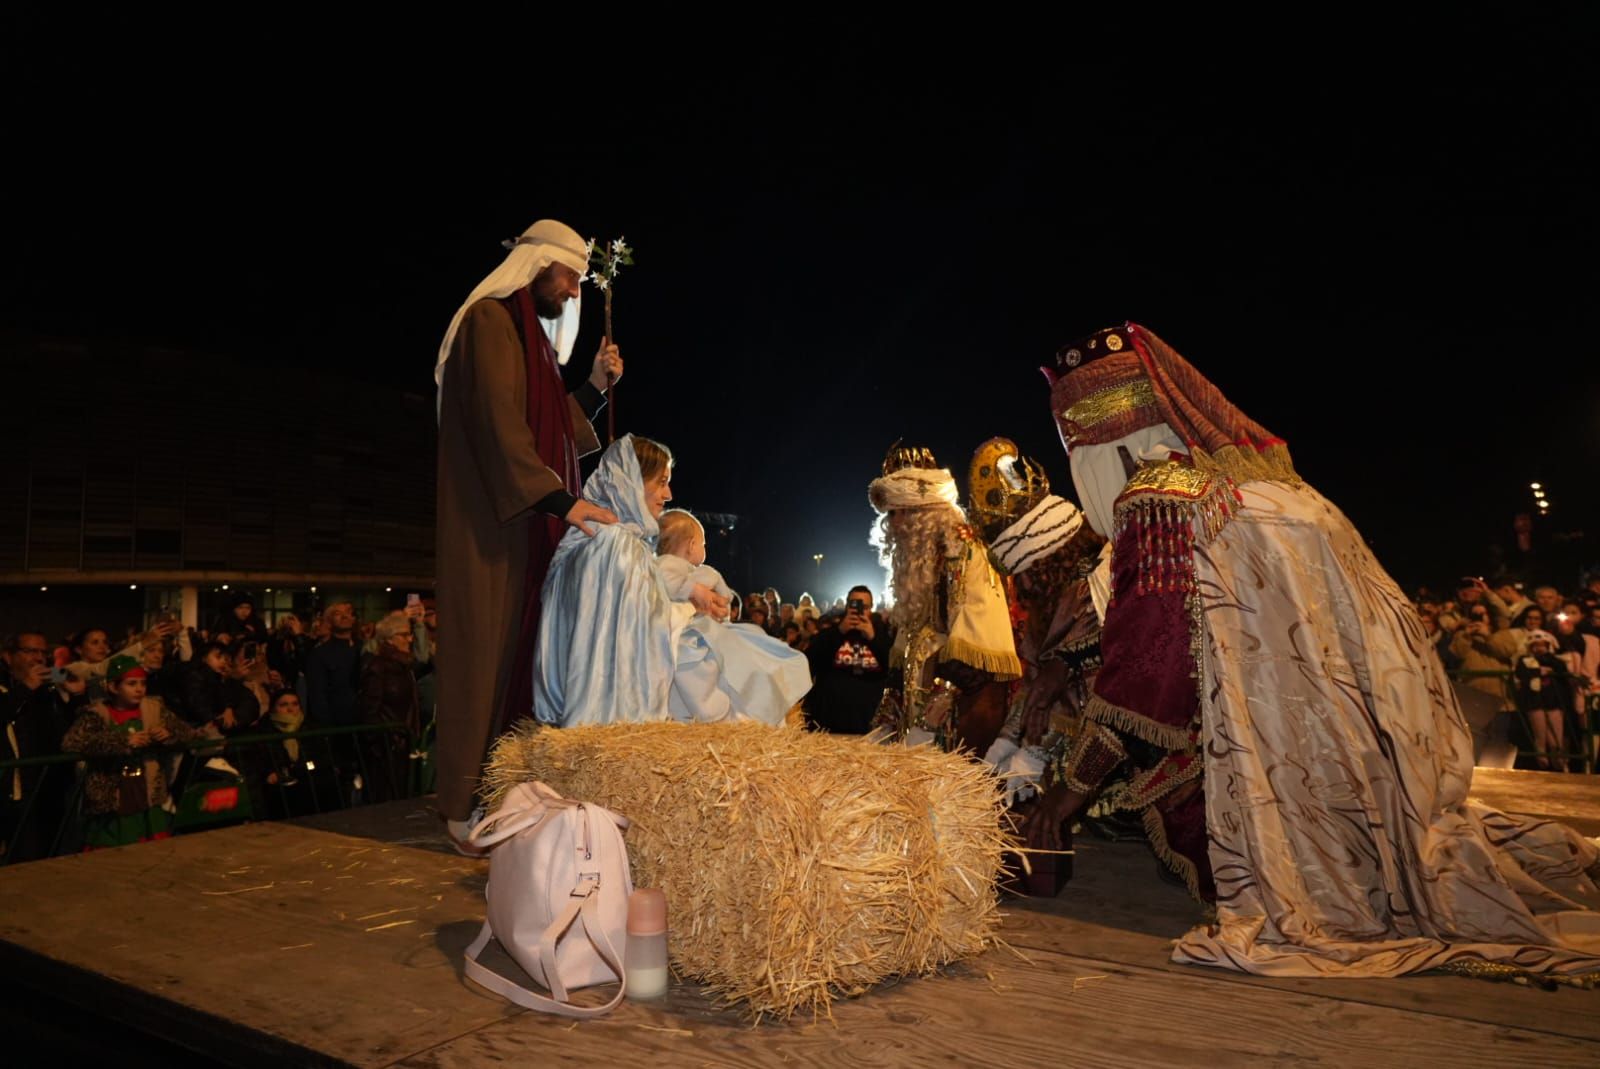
(416, 612)
(286, 652)
(1472, 590)
(90, 652)
(849, 667)
(216, 696)
(33, 718)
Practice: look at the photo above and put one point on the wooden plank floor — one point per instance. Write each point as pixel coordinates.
(339, 941)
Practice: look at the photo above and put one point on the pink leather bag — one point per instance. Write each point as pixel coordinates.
(557, 898)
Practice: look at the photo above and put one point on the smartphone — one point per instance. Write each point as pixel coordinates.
(248, 651)
(413, 600)
(58, 675)
(858, 605)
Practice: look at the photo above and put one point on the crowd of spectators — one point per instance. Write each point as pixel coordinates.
(140, 708)
(130, 706)
(1535, 652)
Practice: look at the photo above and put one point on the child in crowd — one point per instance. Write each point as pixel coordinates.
(125, 794)
(1545, 695)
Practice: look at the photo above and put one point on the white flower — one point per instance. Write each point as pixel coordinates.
(602, 281)
(618, 247)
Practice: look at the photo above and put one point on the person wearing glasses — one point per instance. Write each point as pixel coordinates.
(34, 718)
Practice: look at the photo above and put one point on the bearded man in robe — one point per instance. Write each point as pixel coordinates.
(953, 640)
(510, 436)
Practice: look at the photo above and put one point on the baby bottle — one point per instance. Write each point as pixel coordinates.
(645, 959)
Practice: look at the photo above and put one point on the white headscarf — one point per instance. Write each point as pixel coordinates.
(542, 244)
(1099, 474)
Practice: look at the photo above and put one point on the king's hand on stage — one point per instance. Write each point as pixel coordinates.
(1042, 829)
(583, 513)
(1043, 694)
(607, 366)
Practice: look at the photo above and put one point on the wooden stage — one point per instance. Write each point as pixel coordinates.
(339, 941)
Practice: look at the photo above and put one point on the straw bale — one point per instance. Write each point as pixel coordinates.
(798, 866)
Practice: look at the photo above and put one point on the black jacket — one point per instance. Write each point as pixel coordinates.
(848, 672)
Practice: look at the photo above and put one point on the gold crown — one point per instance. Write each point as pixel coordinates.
(901, 457)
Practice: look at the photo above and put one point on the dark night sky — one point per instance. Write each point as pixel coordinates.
(1392, 267)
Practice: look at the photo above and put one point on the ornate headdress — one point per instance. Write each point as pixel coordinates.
(912, 479)
(1002, 484)
(1125, 379)
(542, 244)
(900, 457)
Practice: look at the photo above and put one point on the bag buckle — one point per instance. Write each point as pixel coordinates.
(588, 883)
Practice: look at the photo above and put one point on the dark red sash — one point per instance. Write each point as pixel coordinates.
(550, 419)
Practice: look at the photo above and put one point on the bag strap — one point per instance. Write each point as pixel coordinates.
(522, 811)
(583, 903)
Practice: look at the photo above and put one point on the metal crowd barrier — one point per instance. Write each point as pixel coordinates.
(1580, 752)
(255, 779)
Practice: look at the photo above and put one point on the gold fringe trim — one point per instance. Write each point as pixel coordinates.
(1157, 833)
(1479, 969)
(1001, 665)
(1138, 794)
(1103, 712)
(1246, 465)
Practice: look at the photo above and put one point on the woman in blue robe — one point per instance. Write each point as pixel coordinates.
(614, 646)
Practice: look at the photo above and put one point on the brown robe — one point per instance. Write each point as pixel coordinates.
(490, 476)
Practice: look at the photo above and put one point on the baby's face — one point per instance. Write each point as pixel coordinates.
(695, 551)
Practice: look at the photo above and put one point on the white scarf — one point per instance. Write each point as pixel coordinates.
(542, 244)
(911, 488)
(1041, 531)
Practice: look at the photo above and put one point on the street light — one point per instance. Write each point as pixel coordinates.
(817, 557)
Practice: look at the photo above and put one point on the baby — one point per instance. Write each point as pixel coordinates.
(723, 671)
(681, 556)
